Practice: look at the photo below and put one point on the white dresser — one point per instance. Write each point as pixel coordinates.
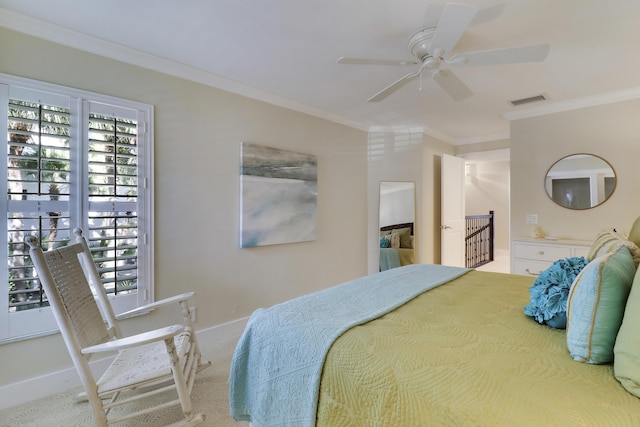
(530, 257)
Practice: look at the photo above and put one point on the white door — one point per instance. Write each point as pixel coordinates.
(452, 211)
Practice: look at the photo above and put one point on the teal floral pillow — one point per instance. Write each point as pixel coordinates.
(549, 293)
(384, 242)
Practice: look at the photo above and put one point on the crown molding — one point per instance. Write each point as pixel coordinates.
(411, 130)
(437, 135)
(57, 34)
(484, 138)
(440, 136)
(574, 104)
(396, 129)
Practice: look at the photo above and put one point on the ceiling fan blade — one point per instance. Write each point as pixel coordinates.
(533, 53)
(453, 23)
(488, 14)
(452, 84)
(485, 15)
(372, 61)
(393, 87)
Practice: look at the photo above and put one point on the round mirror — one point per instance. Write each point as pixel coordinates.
(580, 181)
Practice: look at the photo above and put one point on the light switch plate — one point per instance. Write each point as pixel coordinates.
(532, 219)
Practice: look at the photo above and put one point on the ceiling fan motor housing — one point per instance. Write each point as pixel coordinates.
(420, 43)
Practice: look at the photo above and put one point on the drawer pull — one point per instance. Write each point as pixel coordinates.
(531, 273)
(540, 252)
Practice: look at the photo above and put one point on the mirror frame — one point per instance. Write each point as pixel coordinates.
(595, 187)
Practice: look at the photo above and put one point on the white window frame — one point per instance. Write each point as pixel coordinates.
(26, 324)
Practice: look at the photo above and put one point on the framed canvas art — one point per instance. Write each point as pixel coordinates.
(278, 196)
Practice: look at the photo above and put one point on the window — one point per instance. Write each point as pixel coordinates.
(74, 159)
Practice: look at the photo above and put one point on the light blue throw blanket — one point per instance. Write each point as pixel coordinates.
(389, 258)
(277, 364)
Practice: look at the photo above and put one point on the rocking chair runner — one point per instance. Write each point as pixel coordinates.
(146, 364)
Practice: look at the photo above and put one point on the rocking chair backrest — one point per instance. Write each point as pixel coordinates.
(76, 296)
(93, 276)
(70, 295)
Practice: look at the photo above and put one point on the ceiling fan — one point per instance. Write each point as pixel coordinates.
(430, 47)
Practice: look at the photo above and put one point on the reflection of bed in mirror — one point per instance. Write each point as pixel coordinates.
(396, 221)
(396, 245)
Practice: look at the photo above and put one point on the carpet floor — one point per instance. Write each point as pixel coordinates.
(210, 396)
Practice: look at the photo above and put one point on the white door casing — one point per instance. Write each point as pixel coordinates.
(452, 228)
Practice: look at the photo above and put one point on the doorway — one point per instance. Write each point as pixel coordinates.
(487, 188)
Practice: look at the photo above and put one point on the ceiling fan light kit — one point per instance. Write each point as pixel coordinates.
(431, 45)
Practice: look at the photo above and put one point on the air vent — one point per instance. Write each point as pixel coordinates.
(529, 100)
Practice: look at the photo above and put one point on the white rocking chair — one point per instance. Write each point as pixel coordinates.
(146, 364)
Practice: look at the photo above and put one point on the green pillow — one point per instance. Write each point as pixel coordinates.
(626, 364)
(596, 304)
(634, 234)
(405, 237)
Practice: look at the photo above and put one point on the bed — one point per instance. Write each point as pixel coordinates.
(430, 345)
(396, 245)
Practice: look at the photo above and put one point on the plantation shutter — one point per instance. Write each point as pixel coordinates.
(74, 159)
(112, 170)
(38, 176)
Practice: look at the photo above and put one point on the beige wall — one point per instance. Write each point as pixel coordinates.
(611, 131)
(198, 130)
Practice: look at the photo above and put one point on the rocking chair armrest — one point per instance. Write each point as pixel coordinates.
(152, 306)
(135, 340)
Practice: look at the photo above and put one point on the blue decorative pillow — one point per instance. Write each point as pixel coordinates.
(549, 293)
(384, 242)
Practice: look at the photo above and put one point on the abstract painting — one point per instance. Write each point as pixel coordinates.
(279, 191)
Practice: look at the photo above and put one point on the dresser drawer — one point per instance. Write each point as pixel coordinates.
(540, 252)
(527, 267)
(531, 257)
(582, 251)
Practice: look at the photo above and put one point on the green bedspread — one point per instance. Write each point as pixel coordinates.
(464, 354)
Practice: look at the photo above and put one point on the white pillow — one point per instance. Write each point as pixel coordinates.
(609, 241)
(394, 240)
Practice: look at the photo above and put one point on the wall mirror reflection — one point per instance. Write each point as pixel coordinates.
(580, 181)
(397, 224)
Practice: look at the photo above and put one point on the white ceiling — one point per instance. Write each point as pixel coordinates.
(285, 52)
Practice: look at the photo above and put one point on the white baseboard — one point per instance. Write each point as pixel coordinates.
(207, 338)
(66, 379)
